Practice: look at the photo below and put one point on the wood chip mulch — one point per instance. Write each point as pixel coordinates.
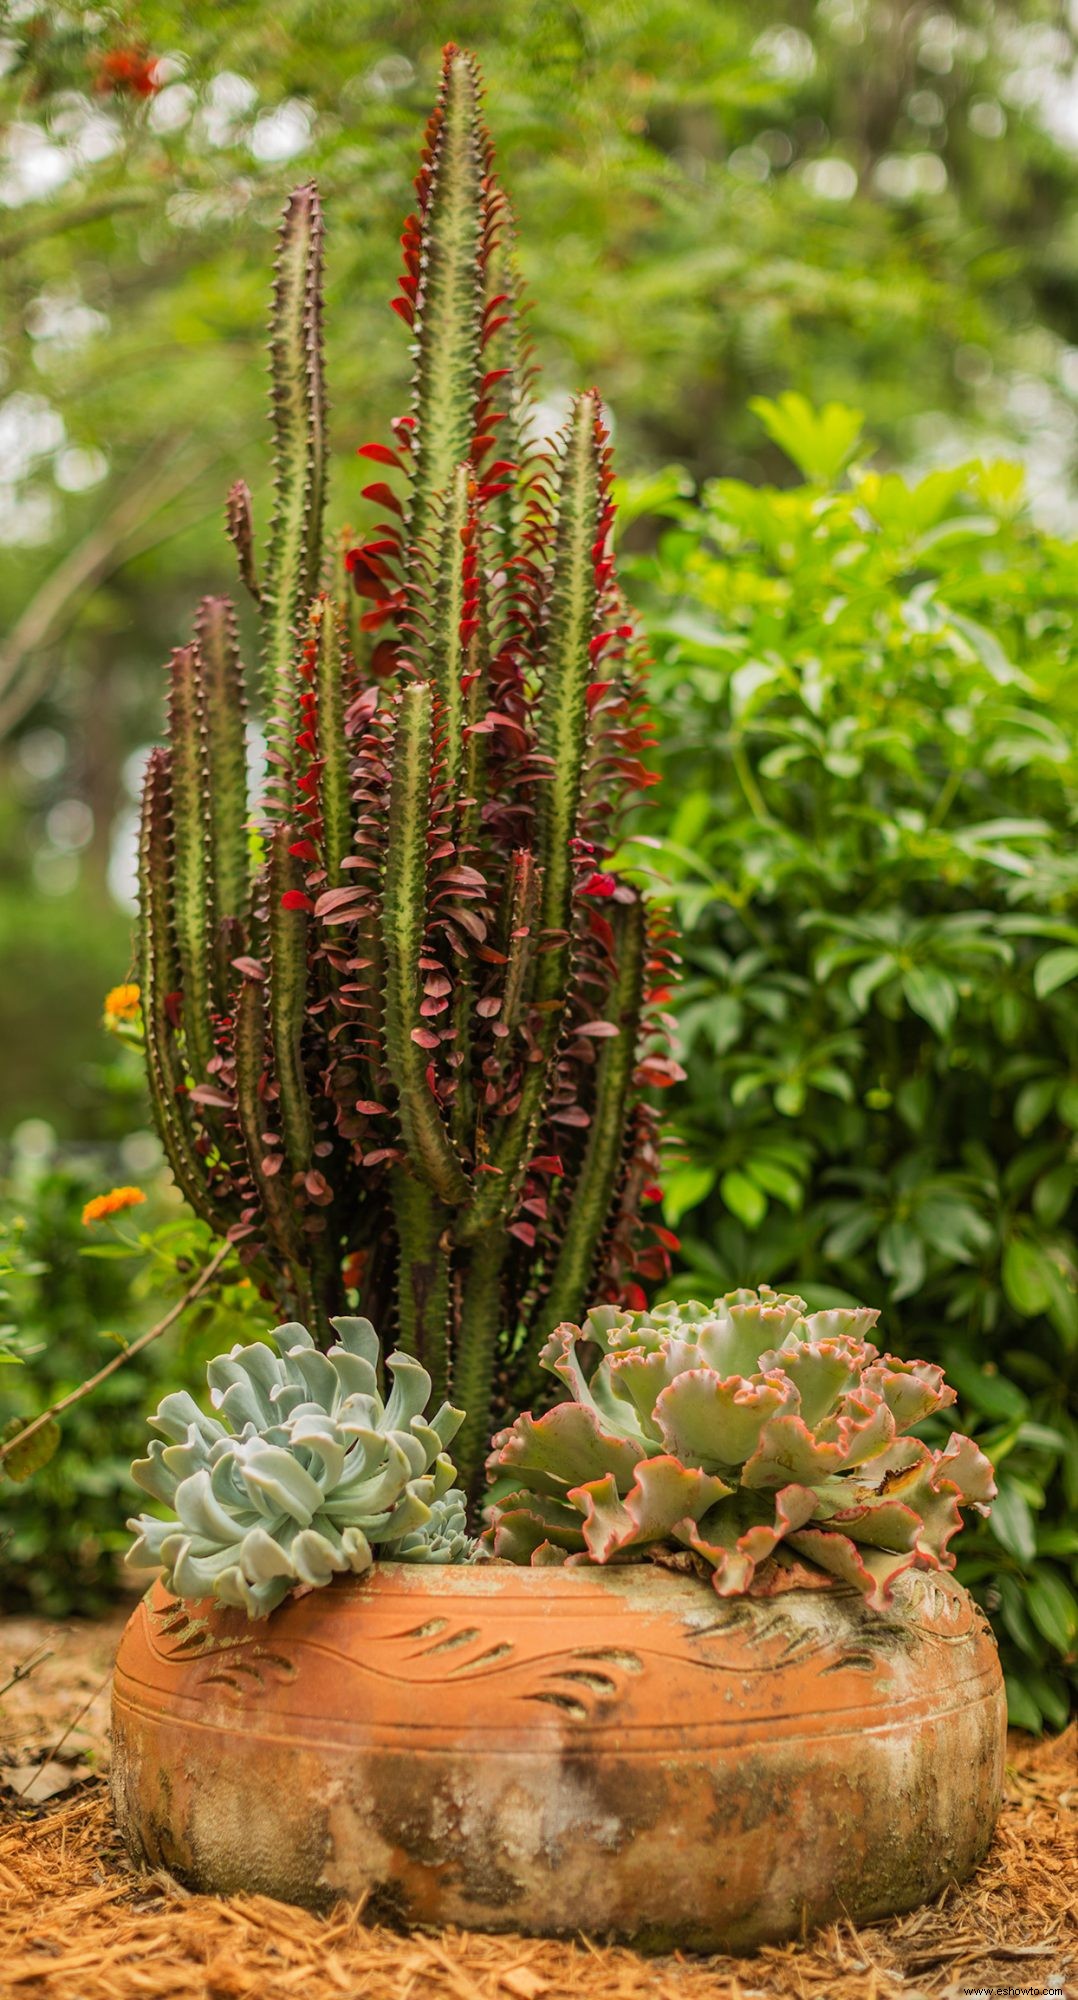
(78, 1922)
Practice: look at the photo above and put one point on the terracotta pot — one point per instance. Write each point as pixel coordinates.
(614, 1751)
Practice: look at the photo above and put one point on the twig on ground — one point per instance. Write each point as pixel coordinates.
(62, 1738)
(26, 1667)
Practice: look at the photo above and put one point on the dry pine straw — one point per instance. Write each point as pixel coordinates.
(77, 1922)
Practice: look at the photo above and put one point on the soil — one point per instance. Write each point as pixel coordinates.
(78, 1922)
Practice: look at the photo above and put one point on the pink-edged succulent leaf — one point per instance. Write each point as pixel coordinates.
(736, 1551)
(664, 1495)
(871, 1571)
(562, 1356)
(822, 1371)
(524, 1522)
(841, 1323)
(912, 1390)
(567, 1447)
(789, 1449)
(712, 1423)
(964, 1466)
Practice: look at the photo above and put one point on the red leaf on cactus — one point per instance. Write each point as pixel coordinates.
(660, 1072)
(383, 660)
(381, 454)
(383, 496)
(296, 899)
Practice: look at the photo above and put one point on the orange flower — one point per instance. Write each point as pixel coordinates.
(121, 1003)
(129, 71)
(112, 1203)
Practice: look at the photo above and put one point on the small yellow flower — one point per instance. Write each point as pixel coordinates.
(112, 1203)
(121, 1004)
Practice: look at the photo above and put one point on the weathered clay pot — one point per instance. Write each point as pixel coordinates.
(614, 1751)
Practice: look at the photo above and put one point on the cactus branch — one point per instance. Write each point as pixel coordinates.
(158, 981)
(449, 302)
(223, 711)
(192, 875)
(404, 909)
(594, 1189)
(294, 554)
(288, 925)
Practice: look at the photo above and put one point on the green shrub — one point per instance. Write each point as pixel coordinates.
(69, 1296)
(867, 706)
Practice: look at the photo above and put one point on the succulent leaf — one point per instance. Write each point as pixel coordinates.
(688, 1426)
(304, 1473)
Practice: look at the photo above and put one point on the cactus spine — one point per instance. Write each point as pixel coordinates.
(410, 1055)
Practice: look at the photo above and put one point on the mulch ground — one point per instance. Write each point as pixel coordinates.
(78, 1922)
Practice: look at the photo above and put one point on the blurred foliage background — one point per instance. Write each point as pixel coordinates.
(861, 592)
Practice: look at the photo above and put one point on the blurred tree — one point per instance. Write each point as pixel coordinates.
(863, 199)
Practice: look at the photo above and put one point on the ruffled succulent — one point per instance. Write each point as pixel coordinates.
(741, 1431)
(304, 1471)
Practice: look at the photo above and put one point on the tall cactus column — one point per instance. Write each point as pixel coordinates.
(402, 1039)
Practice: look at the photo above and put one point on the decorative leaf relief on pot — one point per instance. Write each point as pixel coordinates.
(939, 1613)
(176, 1632)
(179, 1636)
(258, 1670)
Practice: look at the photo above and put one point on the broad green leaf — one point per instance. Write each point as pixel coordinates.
(902, 1255)
(833, 1081)
(775, 1180)
(865, 979)
(1052, 1695)
(1022, 1710)
(820, 442)
(1012, 1523)
(1052, 1194)
(933, 996)
(743, 1198)
(1024, 1277)
(1034, 1102)
(685, 1188)
(1053, 1608)
(1055, 969)
(985, 1391)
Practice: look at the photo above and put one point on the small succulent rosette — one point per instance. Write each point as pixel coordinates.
(303, 1473)
(749, 1433)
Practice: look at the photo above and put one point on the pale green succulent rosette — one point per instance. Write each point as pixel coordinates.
(739, 1431)
(304, 1472)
